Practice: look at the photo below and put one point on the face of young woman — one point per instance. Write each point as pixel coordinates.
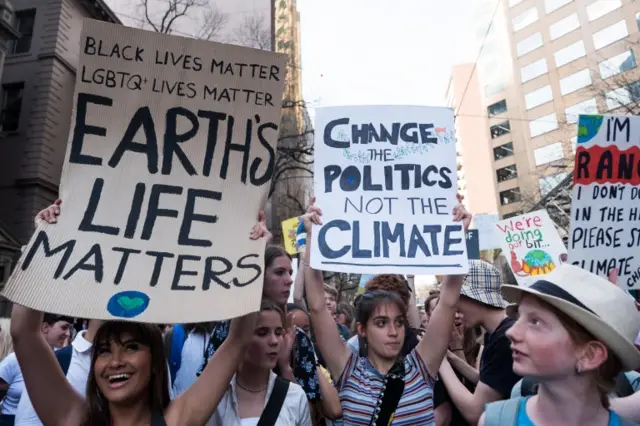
(277, 280)
(123, 369)
(385, 331)
(267, 338)
(540, 344)
(56, 334)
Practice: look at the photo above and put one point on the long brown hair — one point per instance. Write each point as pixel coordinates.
(146, 334)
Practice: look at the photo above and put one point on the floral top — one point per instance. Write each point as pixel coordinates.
(303, 358)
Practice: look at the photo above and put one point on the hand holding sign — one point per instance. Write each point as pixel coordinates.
(260, 229)
(311, 217)
(49, 215)
(460, 213)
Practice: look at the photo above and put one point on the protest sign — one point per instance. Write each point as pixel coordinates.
(473, 244)
(289, 235)
(605, 212)
(169, 160)
(531, 244)
(486, 226)
(385, 179)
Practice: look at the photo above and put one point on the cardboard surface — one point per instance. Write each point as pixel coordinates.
(168, 163)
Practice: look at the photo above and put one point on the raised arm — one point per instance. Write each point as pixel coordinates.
(53, 398)
(333, 348)
(198, 403)
(433, 346)
(298, 286)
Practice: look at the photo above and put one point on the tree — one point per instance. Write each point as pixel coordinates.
(253, 32)
(162, 16)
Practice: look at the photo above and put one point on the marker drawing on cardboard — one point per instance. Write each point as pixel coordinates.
(605, 211)
(169, 159)
(531, 244)
(385, 178)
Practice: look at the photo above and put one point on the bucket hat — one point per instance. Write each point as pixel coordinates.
(483, 283)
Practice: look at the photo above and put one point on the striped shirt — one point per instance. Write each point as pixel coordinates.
(360, 385)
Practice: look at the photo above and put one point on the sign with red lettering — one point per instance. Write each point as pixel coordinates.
(169, 160)
(531, 244)
(605, 210)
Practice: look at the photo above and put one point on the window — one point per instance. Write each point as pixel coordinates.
(510, 196)
(514, 214)
(25, 20)
(601, 7)
(11, 106)
(551, 5)
(575, 81)
(498, 130)
(548, 183)
(609, 35)
(538, 97)
(590, 106)
(497, 108)
(617, 64)
(529, 44)
(493, 88)
(503, 151)
(507, 173)
(543, 125)
(548, 153)
(525, 19)
(623, 96)
(570, 53)
(564, 26)
(533, 70)
(514, 2)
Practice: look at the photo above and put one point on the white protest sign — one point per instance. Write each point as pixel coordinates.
(385, 179)
(531, 245)
(486, 226)
(605, 210)
(169, 160)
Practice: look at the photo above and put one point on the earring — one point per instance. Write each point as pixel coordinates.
(578, 369)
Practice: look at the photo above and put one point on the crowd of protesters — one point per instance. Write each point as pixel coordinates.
(479, 352)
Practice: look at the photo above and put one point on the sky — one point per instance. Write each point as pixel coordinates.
(367, 52)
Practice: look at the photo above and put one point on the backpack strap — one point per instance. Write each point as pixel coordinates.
(64, 358)
(502, 413)
(271, 412)
(527, 387)
(623, 386)
(175, 338)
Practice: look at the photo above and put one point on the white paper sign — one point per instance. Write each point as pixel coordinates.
(486, 226)
(385, 179)
(531, 244)
(605, 210)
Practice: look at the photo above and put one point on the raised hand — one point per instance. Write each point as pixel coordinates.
(289, 339)
(312, 216)
(461, 214)
(49, 215)
(260, 229)
(242, 328)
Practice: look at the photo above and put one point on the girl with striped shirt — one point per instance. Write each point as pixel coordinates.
(383, 388)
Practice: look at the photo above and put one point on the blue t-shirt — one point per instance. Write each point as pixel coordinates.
(524, 420)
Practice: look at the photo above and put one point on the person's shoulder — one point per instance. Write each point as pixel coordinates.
(10, 361)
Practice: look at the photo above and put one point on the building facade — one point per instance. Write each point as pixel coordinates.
(475, 167)
(36, 99)
(544, 62)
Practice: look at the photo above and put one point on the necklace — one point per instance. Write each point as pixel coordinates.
(250, 390)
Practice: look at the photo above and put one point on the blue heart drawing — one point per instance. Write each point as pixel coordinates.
(128, 304)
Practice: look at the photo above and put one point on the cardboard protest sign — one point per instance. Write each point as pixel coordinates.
(531, 244)
(289, 235)
(473, 244)
(486, 226)
(605, 210)
(385, 179)
(169, 161)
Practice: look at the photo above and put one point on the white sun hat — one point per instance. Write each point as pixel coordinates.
(602, 308)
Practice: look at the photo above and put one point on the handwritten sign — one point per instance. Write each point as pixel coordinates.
(289, 235)
(168, 163)
(605, 212)
(385, 179)
(473, 244)
(531, 244)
